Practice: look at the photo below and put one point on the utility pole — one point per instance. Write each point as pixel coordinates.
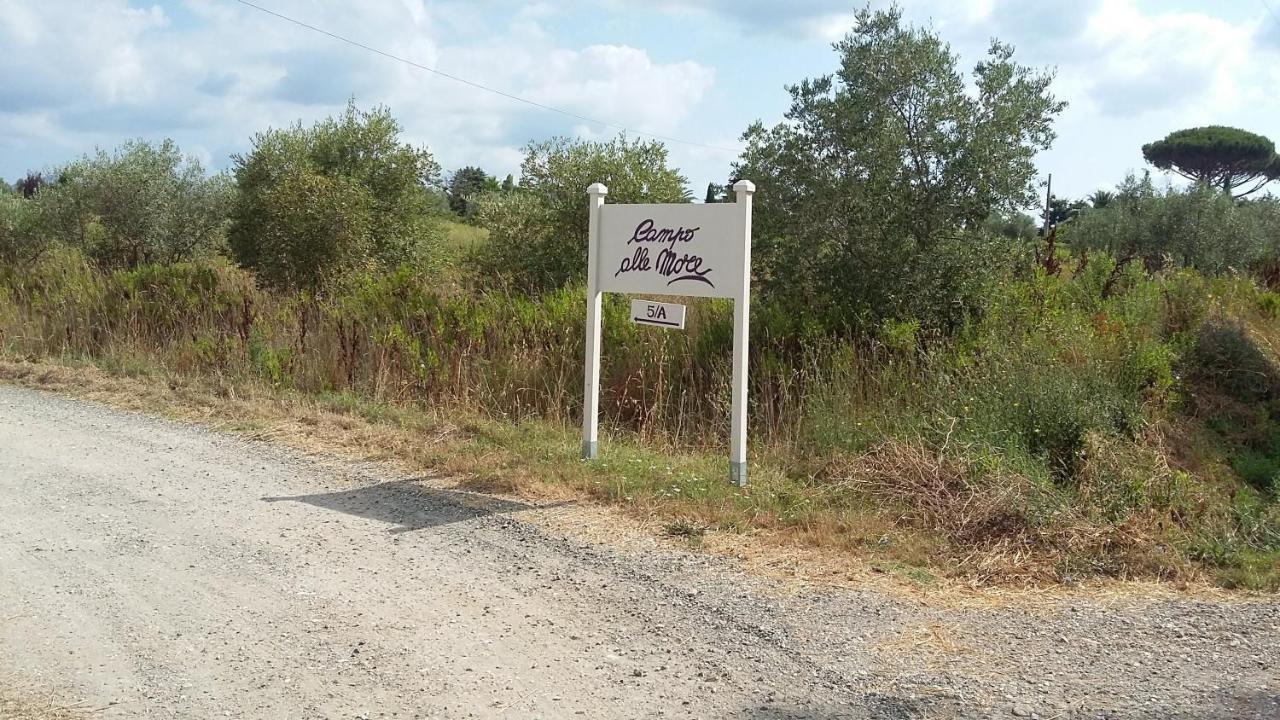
(1049, 259)
(1048, 199)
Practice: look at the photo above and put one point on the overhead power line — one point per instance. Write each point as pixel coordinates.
(1275, 17)
(480, 86)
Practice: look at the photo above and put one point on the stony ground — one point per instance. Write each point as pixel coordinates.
(150, 569)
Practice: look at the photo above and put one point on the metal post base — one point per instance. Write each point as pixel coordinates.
(589, 450)
(738, 473)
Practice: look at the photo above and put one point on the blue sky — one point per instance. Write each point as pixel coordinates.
(80, 74)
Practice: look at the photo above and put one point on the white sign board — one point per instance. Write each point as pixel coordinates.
(648, 312)
(694, 250)
(670, 249)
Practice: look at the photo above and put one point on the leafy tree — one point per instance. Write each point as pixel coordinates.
(1014, 226)
(21, 242)
(1223, 157)
(867, 191)
(1101, 199)
(142, 203)
(546, 247)
(346, 192)
(1199, 227)
(521, 247)
(715, 193)
(1061, 210)
(466, 183)
(315, 227)
(508, 184)
(30, 184)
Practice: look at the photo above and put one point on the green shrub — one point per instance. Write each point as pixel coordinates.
(1225, 359)
(1269, 304)
(1260, 471)
(316, 203)
(1199, 227)
(21, 239)
(141, 204)
(538, 232)
(1039, 426)
(1046, 409)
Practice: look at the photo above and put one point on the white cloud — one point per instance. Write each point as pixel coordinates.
(1168, 61)
(800, 18)
(213, 73)
(623, 84)
(1132, 70)
(79, 73)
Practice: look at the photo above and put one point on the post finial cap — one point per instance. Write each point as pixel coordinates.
(744, 186)
(597, 189)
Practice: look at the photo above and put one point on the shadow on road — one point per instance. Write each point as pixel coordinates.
(870, 706)
(1234, 704)
(408, 505)
(1231, 704)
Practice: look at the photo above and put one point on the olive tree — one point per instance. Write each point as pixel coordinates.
(871, 192)
(20, 242)
(538, 232)
(1199, 227)
(345, 193)
(141, 203)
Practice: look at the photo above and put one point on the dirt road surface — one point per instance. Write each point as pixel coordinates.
(150, 569)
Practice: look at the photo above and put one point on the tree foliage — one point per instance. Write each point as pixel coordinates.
(867, 191)
(467, 183)
(1099, 199)
(1063, 209)
(715, 193)
(1198, 227)
(142, 203)
(29, 184)
(20, 241)
(1014, 226)
(316, 202)
(538, 234)
(1223, 157)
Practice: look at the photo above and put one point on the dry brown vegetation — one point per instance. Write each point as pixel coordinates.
(21, 702)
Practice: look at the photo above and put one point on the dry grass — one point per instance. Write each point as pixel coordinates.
(938, 491)
(30, 704)
(985, 518)
(930, 644)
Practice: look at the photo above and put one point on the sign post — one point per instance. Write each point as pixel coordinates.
(591, 375)
(670, 249)
(742, 190)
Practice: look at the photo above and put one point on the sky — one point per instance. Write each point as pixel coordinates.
(85, 74)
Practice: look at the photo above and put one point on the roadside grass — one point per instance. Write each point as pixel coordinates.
(787, 521)
(685, 496)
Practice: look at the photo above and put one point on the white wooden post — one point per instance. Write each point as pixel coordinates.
(743, 190)
(591, 379)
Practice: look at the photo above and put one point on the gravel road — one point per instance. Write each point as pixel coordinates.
(150, 569)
